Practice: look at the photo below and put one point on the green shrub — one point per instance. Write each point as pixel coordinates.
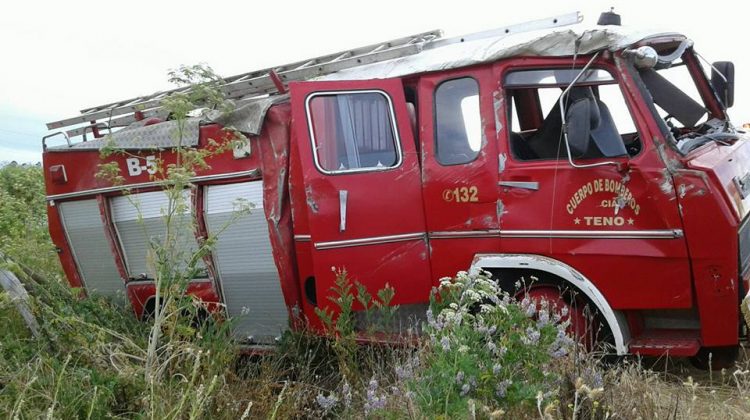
(486, 350)
(92, 358)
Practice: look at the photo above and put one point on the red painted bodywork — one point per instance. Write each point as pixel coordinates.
(447, 256)
(380, 203)
(273, 142)
(646, 262)
(57, 233)
(694, 194)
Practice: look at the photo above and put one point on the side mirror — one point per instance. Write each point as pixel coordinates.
(722, 80)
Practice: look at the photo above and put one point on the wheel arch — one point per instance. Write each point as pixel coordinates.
(615, 320)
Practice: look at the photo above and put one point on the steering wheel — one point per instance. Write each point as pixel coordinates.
(634, 146)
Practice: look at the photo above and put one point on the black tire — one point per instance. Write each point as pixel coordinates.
(715, 358)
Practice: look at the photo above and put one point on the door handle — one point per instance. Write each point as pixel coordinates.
(526, 185)
(343, 194)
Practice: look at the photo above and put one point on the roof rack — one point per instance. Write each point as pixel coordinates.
(270, 81)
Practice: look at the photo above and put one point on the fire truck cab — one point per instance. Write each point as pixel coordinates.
(596, 163)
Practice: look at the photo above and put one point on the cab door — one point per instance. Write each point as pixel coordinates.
(619, 225)
(459, 167)
(362, 186)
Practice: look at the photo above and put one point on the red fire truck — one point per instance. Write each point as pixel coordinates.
(598, 159)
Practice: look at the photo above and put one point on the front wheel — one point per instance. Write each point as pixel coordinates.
(583, 323)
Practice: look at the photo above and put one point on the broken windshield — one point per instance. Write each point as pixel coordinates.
(688, 119)
(675, 95)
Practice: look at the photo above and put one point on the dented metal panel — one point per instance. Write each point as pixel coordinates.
(140, 137)
(84, 230)
(580, 39)
(245, 264)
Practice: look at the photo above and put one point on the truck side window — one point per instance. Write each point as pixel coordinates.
(536, 95)
(353, 131)
(458, 127)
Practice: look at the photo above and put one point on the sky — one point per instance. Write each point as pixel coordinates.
(63, 56)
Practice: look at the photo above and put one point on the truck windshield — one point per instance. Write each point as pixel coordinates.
(675, 95)
(679, 104)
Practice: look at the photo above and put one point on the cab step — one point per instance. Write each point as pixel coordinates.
(659, 342)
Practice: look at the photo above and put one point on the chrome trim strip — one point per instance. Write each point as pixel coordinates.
(228, 175)
(526, 185)
(464, 234)
(374, 240)
(132, 282)
(204, 178)
(594, 234)
(561, 234)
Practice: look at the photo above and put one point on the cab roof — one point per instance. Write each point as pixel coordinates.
(578, 39)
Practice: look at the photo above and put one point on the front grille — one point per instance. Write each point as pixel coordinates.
(744, 244)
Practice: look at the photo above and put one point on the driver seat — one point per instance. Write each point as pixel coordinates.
(582, 108)
(547, 142)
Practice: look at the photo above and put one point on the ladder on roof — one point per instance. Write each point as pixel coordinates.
(241, 86)
(267, 81)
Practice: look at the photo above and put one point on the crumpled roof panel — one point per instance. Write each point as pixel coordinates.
(246, 116)
(559, 42)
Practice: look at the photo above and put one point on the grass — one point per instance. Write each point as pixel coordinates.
(87, 365)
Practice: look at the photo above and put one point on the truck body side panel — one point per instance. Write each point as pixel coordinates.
(709, 223)
(275, 153)
(224, 174)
